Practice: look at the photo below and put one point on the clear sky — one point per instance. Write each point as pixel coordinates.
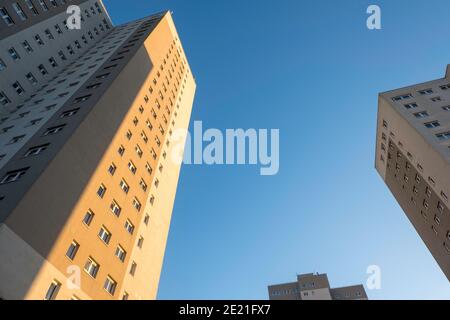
(313, 70)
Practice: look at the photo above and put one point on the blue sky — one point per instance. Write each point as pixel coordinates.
(313, 70)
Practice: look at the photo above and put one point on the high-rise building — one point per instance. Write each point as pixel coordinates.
(87, 130)
(315, 287)
(413, 158)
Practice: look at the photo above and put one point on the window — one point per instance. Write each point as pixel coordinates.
(435, 230)
(69, 113)
(72, 251)
(34, 151)
(62, 56)
(58, 29)
(54, 130)
(49, 34)
(140, 242)
(16, 139)
(70, 50)
(6, 17)
(27, 46)
(30, 77)
(103, 76)
(132, 167)
(443, 136)
(53, 62)
(153, 153)
(115, 208)
(121, 150)
(43, 5)
(144, 137)
(53, 290)
(433, 124)
(18, 87)
(133, 268)
(436, 99)
(129, 135)
(4, 98)
(93, 86)
(143, 185)
(428, 192)
(110, 285)
(420, 115)
(146, 219)
(88, 217)
(402, 97)
(2, 65)
(445, 87)
(112, 169)
(120, 253)
(101, 191)
(23, 114)
(124, 186)
(431, 180)
(139, 151)
(6, 129)
(125, 296)
(104, 235)
(440, 207)
(42, 69)
(19, 11)
(411, 105)
(129, 227)
(136, 204)
(426, 92)
(13, 53)
(82, 99)
(91, 267)
(13, 176)
(50, 107)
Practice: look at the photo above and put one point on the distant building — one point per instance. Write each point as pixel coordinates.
(315, 287)
(413, 158)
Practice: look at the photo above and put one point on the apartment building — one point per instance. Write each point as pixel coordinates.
(315, 287)
(87, 182)
(413, 156)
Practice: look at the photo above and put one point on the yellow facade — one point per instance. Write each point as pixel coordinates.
(162, 87)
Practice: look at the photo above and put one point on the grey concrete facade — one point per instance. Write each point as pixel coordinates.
(413, 157)
(34, 54)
